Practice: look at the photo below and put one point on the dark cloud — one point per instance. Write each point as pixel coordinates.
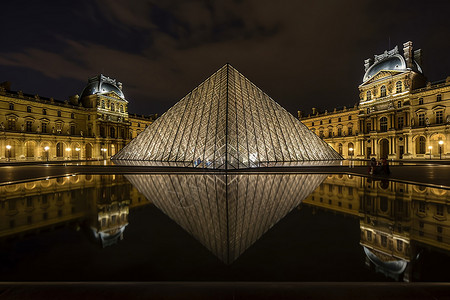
(302, 54)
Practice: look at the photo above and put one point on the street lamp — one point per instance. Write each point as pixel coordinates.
(351, 152)
(441, 142)
(8, 147)
(104, 152)
(68, 154)
(78, 152)
(430, 147)
(46, 148)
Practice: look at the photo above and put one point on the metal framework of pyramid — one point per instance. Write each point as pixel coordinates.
(227, 212)
(227, 123)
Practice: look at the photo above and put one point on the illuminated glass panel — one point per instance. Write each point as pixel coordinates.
(227, 123)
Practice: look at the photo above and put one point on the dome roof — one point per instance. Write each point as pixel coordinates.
(102, 85)
(395, 62)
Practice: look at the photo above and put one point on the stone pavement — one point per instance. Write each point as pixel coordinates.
(431, 175)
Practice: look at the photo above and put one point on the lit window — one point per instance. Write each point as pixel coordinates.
(368, 95)
(398, 87)
(383, 91)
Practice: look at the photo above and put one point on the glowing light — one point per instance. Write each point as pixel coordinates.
(77, 149)
(46, 148)
(430, 147)
(68, 149)
(441, 142)
(8, 147)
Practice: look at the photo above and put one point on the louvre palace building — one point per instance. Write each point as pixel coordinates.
(94, 125)
(400, 114)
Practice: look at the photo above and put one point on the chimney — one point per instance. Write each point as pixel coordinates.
(408, 54)
(299, 114)
(367, 63)
(418, 56)
(314, 111)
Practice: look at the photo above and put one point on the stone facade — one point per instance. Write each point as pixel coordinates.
(40, 128)
(399, 116)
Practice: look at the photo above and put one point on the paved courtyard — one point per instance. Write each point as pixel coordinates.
(428, 174)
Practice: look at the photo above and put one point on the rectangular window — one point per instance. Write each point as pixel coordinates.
(72, 129)
(420, 101)
(339, 119)
(383, 241)
(29, 126)
(330, 133)
(440, 210)
(369, 126)
(438, 97)
(369, 235)
(339, 133)
(399, 104)
(349, 117)
(312, 123)
(399, 245)
(44, 127)
(422, 207)
(400, 122)
(350, 131)
(422, 119)
(439, 117)
(44, 111)
(11, 106)
(59, 113)
(11, 124)
(321, 122)
(29, 109)
(321, 134)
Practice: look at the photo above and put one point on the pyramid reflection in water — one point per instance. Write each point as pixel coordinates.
(227, 213)
(227, 123)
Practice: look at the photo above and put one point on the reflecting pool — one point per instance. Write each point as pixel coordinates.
(226, 227)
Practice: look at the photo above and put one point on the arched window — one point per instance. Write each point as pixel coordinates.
(59, 149)
(368, 95)
(398, 87)
(340, 149)
(383, 124)
(383, 91)
(420, 145)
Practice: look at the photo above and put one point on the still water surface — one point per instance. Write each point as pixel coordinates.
(235, 227)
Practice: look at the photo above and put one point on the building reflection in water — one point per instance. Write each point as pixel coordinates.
(99, 204)
(399, 223)
(397, 220)
(227, 213)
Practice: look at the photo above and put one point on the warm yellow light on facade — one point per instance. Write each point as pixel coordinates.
(351, 149)
(441, 142)
(430, 147)
(68, 149)
(8, 147)
(77, 149)
(46, 148)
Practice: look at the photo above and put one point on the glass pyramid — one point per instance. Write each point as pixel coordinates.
(227, 123)
(226, 212)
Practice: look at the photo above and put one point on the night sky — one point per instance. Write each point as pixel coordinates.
(302, 53)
